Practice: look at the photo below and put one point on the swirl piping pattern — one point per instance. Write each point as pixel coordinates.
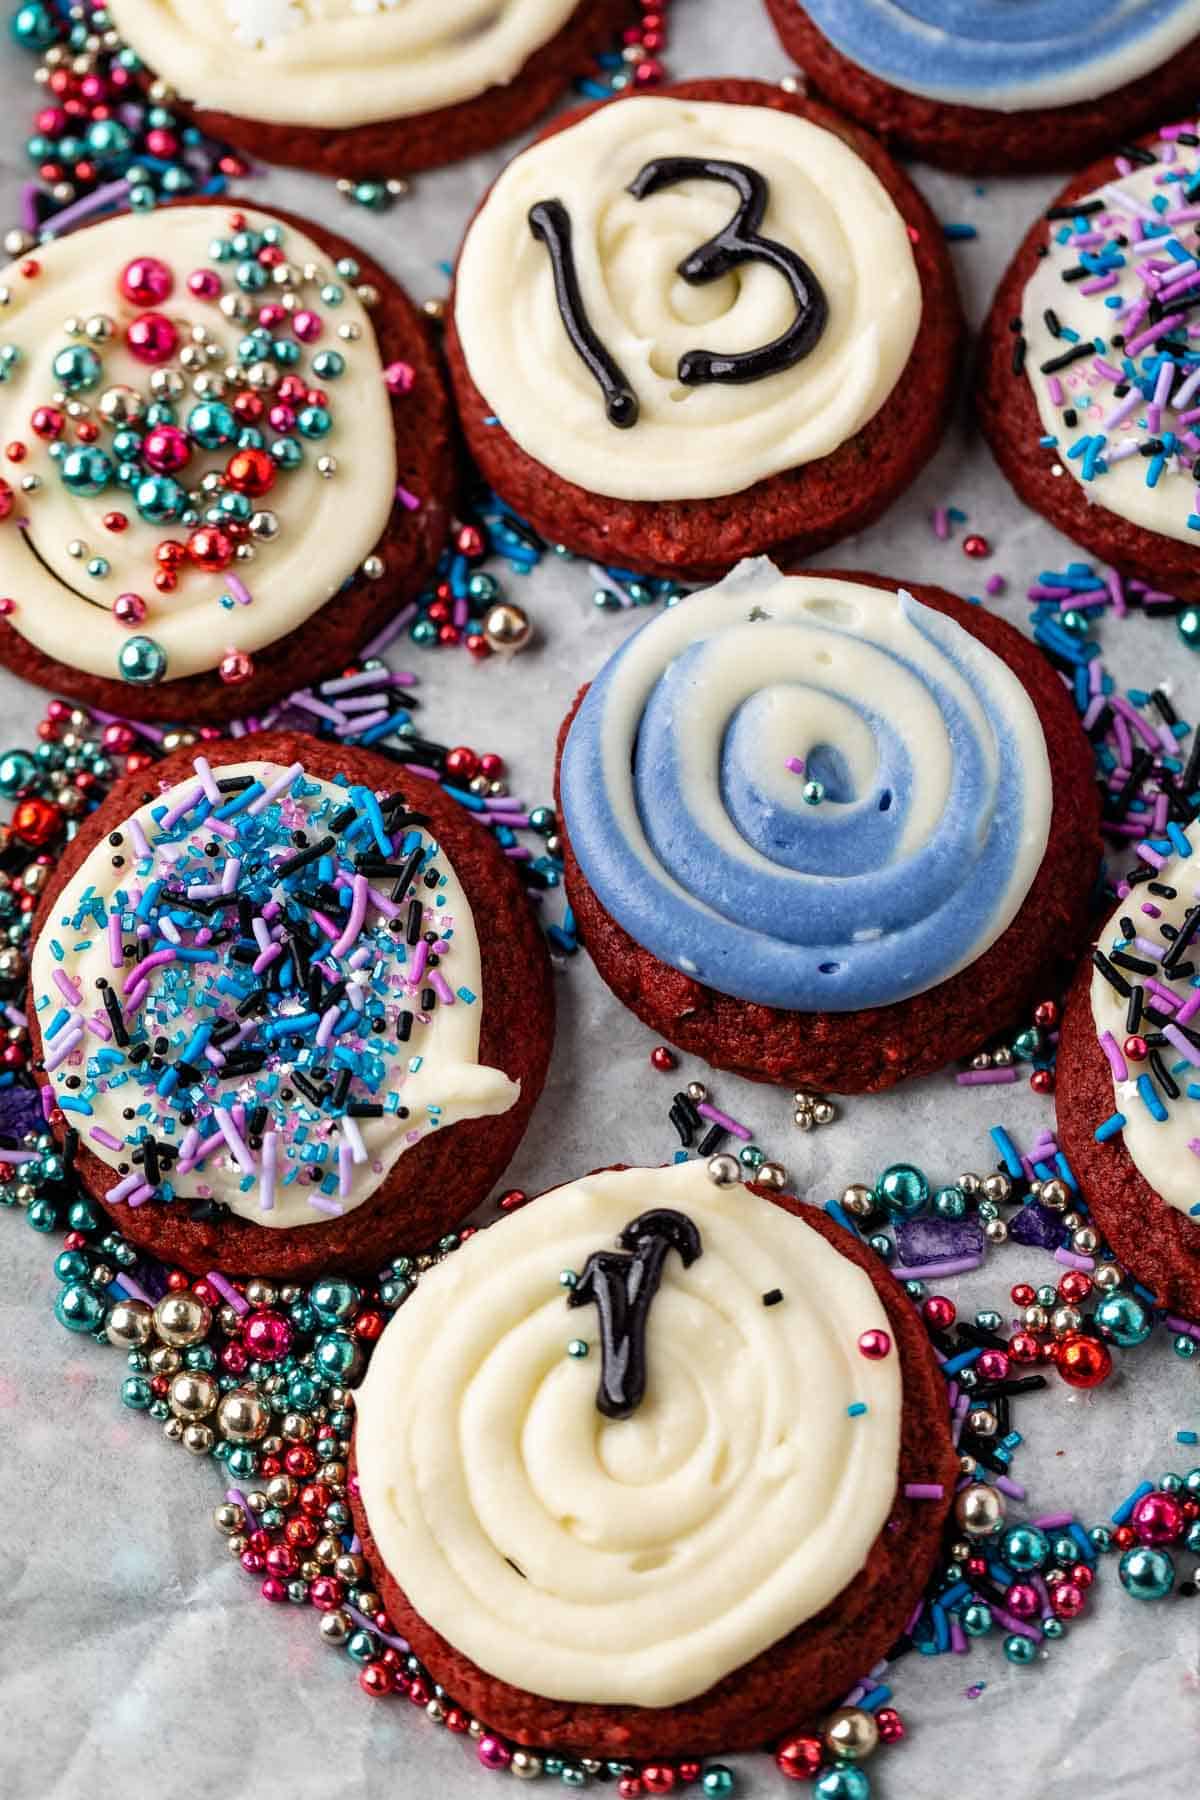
(1008, 55)
(633, 1560)
(699, 840)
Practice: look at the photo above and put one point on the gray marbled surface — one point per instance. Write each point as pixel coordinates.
(136, 1660)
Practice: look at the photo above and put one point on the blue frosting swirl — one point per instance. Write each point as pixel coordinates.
(1007, 54)
(700, 841)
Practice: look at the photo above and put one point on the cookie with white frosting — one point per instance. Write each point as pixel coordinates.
(1089, 368)
(659, 1487)
(691, 326)
(827, 831)
(995, 86)
(1128, 1078)
(367, 88)
(229, 459)
(292, 1008)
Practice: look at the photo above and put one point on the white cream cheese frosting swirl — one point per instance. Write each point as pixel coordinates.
(1161, 1131)
(193, 1070)
(637, 1560)
(336, 63)
(63, 566)
(1110, 352)
(699, 441)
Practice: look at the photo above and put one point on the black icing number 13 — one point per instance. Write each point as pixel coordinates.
(736, 243)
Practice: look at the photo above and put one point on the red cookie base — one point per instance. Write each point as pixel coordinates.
(805, 1672)
(332, 635)
(429, 140)
(1158, 1243)
(1009, 419)
(976, 140)
(867, 1051)
(794, 513)
(438, 1181)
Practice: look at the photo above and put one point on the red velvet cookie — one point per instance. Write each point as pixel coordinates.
(330, 460)
(1126, 1080)
(1106, 459)
(978, 139)
(363, 96)
(669, 402)
(770, 1408)
(370, 908)
(748, 856)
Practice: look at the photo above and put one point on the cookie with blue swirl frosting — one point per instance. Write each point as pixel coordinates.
(999, 85)
(826, 830)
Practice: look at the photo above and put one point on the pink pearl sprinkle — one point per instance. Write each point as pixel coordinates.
(399, 377)
(494, 1753)
(875, 1345)
(152, 338)
(308, 326)
(205, 284)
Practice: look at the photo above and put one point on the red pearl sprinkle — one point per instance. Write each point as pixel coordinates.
(116, 521)
(374, 1678)
(1023, 1347)
(210, 548)
(462, 763)
(1046, 1015)
(235, 667)
(514, 1198)
(1075, 1286)
(1042, 1081)
(456, 1719)
(1023, 1294)
(891, 1725)
(491, 765)
(1135, 1048)
(47, 421)
(1067, 1599)
(251, 472)
(273, 1590)
(974, 545)
(630, 1788)
(874, 1345)
(939, 1312)
(658, 1778)
(1083, 1362)
(799, 1758)
(663, 1059)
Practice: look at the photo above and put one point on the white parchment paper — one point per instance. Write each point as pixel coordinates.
(137, 1660)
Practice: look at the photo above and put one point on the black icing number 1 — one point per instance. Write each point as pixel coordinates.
(736, 243)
